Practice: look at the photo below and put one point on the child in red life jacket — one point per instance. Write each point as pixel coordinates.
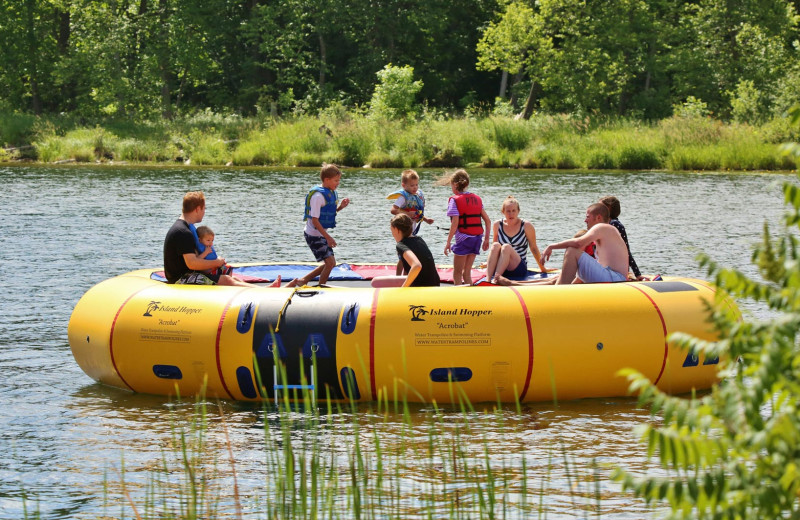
(466, 212)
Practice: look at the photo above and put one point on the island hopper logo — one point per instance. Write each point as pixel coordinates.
(151, 308)
(154, 306)
(418, 311)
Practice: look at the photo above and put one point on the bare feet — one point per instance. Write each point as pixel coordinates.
(502, 280)
(296, 282)
(277, 282)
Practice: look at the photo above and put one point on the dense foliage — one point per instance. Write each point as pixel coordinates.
(145, 57)
(735, 453)
(637, 58)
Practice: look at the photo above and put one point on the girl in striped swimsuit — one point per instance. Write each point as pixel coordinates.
(512, 238)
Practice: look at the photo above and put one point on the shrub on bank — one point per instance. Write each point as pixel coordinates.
(471, 148)
(391, 159)
(729, 156)
(50, 150)
(301, 159)
(689, 158)
(207, 149)
(354, 144)
(509, 134)
(691, 131)
(138, 150)
(16, 129)
(600, 160)
(271, 146)
(638, 158)
(251, 152)
(80, 145)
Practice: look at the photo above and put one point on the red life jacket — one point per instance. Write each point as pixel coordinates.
(469, 208)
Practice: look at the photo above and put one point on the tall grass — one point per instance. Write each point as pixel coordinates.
(340, 460)
(16, 129)
(309, 459)
(80, 145)
(352, 139)
(345, 460)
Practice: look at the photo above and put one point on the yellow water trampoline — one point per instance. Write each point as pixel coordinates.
(351, 341)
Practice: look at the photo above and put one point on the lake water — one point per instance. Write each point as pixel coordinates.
(65, 439)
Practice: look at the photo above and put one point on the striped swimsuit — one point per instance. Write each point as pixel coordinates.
(520, 244)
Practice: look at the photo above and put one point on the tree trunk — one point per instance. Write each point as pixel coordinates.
(323, 61)
(62, 44)
(517, 78)
(119, 93)
(33, 53)
(63, 31)
(163, 50)
(166, 96)
(533, 96)
(135, 52)
(259, 76)
(181, 87)
(503, 85)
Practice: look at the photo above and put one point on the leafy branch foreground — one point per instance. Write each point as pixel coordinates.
(735, 453)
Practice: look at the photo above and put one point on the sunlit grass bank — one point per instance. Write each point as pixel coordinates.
(353, 139)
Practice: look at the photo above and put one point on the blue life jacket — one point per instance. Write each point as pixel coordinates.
(415, 204)
(200, 247)
(327, 213)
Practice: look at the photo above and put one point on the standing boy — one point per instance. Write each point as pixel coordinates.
(320, 216)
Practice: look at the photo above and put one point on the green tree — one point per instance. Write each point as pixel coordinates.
(30, 43)
(395, 92)
(641, 57)
(735, 452)
(726, 43)
(579, 56)
(106, 59)
(517, 42)
(282, 35)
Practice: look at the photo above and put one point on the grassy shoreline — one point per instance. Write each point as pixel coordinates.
(680, 143)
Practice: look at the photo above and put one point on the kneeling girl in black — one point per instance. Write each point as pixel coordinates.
(419, 267)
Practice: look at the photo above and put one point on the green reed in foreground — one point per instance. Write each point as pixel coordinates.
(353, 138)
(345, 460)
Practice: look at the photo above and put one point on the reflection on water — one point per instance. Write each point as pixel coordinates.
(65, 229)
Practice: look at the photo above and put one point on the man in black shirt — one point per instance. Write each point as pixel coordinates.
(182, 264)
